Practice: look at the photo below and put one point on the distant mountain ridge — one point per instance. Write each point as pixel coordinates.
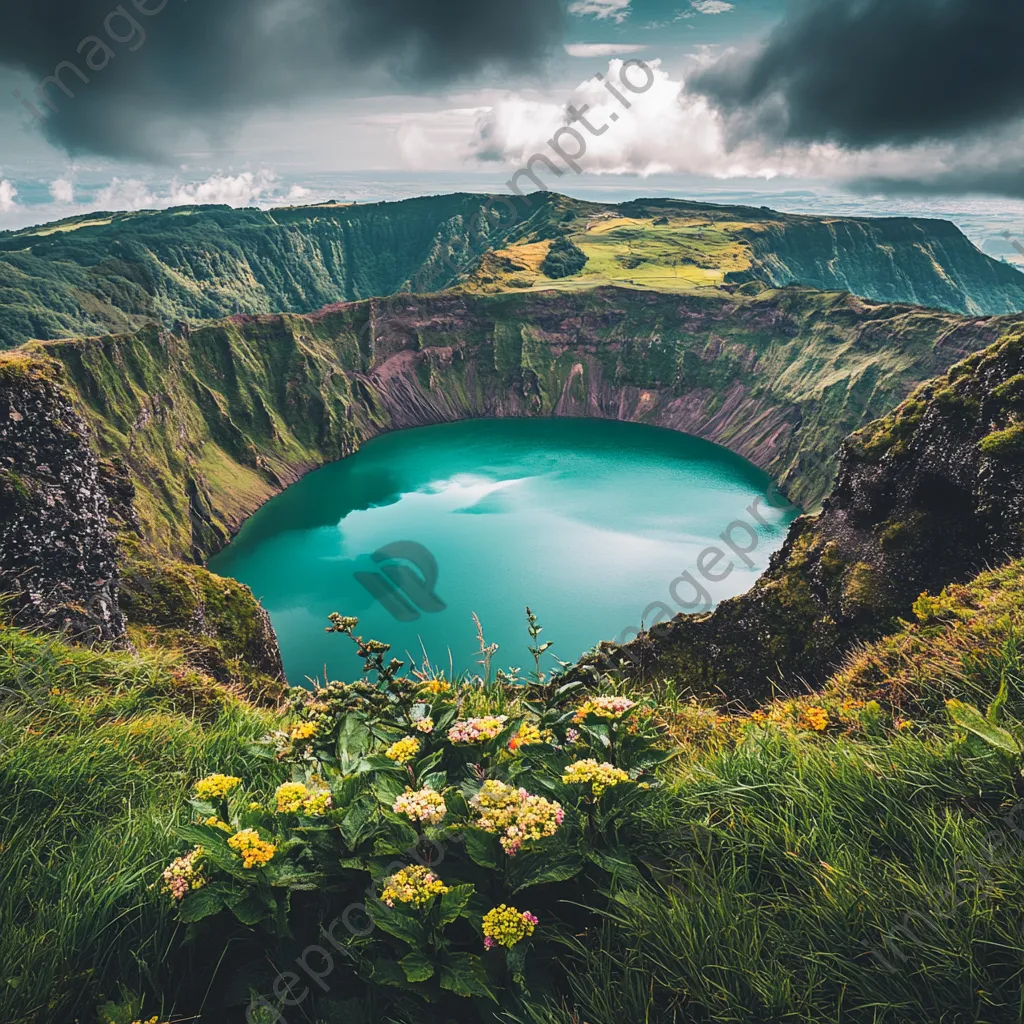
(99, 273)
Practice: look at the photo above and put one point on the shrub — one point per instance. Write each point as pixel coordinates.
(436, 848)
(564, 259)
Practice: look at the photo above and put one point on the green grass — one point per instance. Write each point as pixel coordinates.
(96, 754)
(871, 872)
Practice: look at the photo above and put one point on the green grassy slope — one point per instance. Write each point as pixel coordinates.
(824, 859)
(103, 272)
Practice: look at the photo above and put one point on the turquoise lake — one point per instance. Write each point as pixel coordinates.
(595, 524)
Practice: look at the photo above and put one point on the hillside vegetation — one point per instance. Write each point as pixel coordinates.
(851, 854)
(115, 272)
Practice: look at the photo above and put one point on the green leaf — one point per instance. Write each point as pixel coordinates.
(397, 923)
(199, 904)
(454, 901)
(387, 972)
(995, 709)
(417, 967)
(464, 974)
(354, 826)
(970, 718)
(540, 868)
(251, 907)
(353, 738)
(617, 864)
(435, 780)
(388, 788)
(482, 848)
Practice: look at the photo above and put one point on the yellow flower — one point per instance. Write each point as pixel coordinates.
(528, 734)
(416, 885)
(255, 852)
(757, 717)
(424, 725)
(254, 805)
(505, 926)
(600, 776)
(437, 686)
(217, 823)
(303, 731)
(514, 815)
(904, 723)
(404, 750)
(318, 803)
(603, 707)
(290, 797)
(814, 718)
(421, 805)
(215, 786)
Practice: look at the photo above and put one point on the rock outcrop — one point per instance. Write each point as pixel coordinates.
(58, 557)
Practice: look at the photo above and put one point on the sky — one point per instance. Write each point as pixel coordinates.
(842, 106)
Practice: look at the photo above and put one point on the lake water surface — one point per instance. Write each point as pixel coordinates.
(587, 521)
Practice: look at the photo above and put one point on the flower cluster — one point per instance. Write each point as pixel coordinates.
(421, 805)
(416, 885)
(528, 734)
(477, 730)
(215, 822)
(600, 776)
(255, 852)
(424, 725)
(403, 750)
(603, 707)
(437, 686)
(293, 797)
(216, 786)
(183, 875)
(505, 926)
(302, 731)
(515, 815)
(814, 718)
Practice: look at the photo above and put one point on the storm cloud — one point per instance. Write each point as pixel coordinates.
(863, 73)
(127, 80)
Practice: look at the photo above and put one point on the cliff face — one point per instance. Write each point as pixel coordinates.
(115, 272)
(925, 497)
(57, 554)
(212, 422)
(928, 263)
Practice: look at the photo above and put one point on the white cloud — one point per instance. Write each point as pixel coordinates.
(617, 9)
(712, 6)
(63, 191)
(245, 189)
(602, 49)
(7, 194)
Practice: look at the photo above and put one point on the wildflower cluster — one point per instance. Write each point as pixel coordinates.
(214, 822)
(477, 730)
(415, 885)
(528, 734)
(293, 797)
(421, 805)
(424, 725)
(603, 707)
(255, 852)
(303, 731)
(437, 686)
(214, 787)
(814, 718)
(600, 776)
(404, 750)
(183, 875)
(515, 815)
(505, 926)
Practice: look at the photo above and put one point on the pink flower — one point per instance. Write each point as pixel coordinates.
(489, 943)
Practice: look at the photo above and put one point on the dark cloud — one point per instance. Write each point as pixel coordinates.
(199, 63)
(868, 72)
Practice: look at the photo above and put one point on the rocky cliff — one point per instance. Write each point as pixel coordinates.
(925, 497)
